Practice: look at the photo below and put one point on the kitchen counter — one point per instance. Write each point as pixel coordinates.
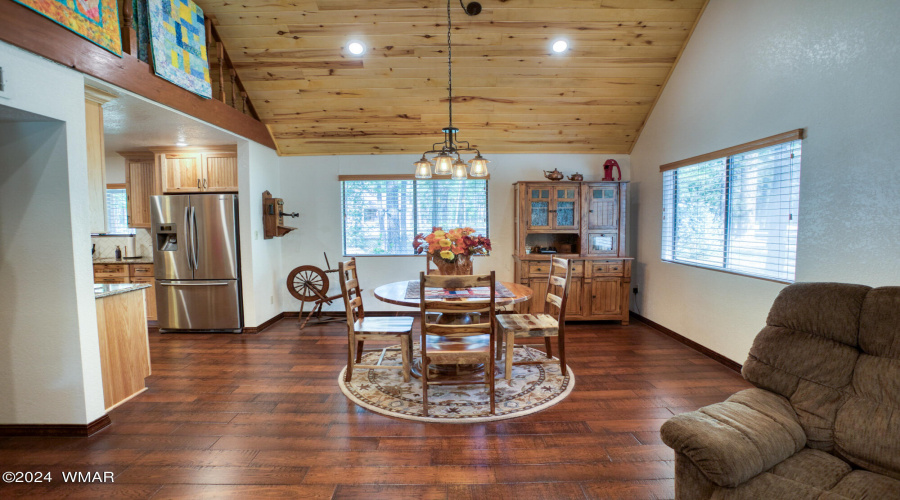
(146, 259)
(107, 289)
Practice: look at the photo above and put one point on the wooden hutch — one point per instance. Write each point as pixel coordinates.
(584, 222)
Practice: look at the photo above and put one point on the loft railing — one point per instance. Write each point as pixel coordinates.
(226, 88)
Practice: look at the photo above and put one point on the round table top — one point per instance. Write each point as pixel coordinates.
(395, 293)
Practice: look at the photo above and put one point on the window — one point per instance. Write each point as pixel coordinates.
(117, 210)
(382, 216)
(735, 209)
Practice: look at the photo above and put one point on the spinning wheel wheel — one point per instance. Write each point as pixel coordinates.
(310, 284)
(307, 283)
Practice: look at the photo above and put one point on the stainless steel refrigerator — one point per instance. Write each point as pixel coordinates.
(197, 262)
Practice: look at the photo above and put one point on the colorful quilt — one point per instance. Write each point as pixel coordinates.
(178, 39)
(95, 20)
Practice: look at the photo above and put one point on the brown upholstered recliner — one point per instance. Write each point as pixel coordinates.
(824, 420)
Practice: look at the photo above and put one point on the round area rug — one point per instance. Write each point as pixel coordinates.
(533, 388)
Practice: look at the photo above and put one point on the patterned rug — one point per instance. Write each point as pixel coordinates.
(533, 388)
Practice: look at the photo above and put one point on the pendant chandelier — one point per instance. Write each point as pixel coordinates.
(445, 163)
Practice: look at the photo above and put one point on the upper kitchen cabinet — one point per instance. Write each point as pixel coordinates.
(94, 99)
(141, 182)
(198, 170)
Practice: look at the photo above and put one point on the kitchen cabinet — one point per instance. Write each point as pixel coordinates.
(141, 182)
(143, 273)
(209, 170)
(94, 99)
(111, 273)
(584, 222)
(130, 273)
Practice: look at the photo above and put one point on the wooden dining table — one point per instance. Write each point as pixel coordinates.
(396, 293)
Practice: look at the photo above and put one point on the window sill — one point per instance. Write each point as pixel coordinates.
(727, 271)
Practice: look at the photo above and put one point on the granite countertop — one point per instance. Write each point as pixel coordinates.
(106, 289)
(147, 259)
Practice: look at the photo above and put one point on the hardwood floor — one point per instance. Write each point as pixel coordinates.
(245, 416)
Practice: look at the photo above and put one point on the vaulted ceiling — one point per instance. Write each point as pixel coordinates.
(511, 93)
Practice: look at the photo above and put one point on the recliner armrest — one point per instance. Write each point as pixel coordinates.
(733, 441)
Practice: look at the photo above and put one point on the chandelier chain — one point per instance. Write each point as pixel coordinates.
(449, 67)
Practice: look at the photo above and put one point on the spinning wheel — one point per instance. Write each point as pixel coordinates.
(310, 284)
(307, 283)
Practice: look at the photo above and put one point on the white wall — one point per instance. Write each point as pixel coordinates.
(260, 258)
(309, 185)
(115, 168)
(755, 69)
(49, 348)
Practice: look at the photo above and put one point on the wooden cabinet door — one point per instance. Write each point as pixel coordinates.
(605, 296)
(576, 297)
(220, 172)
(182, 172)
(565, 210)
(603, 206)
(139, 186)
(149, 295)
(96, 165)
(536, 304)
(538, 200)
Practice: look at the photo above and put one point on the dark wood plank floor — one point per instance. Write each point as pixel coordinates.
(245, 416)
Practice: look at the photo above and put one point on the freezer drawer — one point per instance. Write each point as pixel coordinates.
(211, 305)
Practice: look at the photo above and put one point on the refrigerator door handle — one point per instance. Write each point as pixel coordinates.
(194, 238)
(191, 283)
(187, 228)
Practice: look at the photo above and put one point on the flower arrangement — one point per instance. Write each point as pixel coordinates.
(450, 245)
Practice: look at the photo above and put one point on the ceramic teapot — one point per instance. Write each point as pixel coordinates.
(576, 177)
(555, 175)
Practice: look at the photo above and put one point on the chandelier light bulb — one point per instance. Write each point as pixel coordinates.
(443, 164)
(459, 170)
(478, 167)
(423, 168)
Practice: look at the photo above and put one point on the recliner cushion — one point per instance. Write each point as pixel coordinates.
(864, 485)
(808, 351)
(867, 426)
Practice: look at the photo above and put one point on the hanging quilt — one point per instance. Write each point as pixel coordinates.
(95, 20)
(178, 40)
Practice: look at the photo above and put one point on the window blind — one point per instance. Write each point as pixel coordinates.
(736, 213)
(382, 216)
(117, 212)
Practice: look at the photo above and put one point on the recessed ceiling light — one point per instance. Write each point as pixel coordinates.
(181, 144)
(356, 48)
(560, 46)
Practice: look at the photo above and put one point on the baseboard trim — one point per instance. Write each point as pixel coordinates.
(265, 324)
(55, 430)
(728, 363)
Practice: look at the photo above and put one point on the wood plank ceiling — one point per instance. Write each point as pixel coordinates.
(511, 93)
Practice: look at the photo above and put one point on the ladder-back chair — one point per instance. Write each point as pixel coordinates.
(361, 328)
(462, 343)
(550, 323)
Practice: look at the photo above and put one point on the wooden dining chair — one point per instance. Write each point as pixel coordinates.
(550, 323)
(360, 328)
(460, 342)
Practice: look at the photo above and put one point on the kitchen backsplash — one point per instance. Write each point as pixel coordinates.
(137, 245)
